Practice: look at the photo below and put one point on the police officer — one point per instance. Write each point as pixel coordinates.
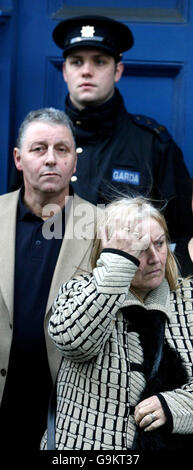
(118, 151)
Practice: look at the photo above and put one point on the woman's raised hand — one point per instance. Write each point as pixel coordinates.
(132, 236)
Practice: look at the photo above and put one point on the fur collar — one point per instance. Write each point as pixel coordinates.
(163, 369)
(158, 299)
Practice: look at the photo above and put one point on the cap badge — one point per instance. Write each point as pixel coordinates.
(87, 31)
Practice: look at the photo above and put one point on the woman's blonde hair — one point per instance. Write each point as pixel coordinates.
(136, 207)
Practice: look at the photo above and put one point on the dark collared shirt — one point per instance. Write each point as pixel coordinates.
(28, 386)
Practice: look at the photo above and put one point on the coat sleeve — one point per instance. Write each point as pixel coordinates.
(180, 335)
(180, 404)
(85, 310)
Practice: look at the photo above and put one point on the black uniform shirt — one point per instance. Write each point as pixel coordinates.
(121, 152)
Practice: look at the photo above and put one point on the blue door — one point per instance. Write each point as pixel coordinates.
(158, 70)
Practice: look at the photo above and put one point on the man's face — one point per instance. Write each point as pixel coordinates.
(47, 158)
(90, 75)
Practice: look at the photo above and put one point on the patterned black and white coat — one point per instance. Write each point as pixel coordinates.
(102, 375)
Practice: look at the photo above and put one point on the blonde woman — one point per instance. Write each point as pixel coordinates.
(125, 333)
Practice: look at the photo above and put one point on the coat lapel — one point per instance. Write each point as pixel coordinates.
(75, 249)
(8, 212)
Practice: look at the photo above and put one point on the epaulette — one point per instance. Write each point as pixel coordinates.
(154, 126)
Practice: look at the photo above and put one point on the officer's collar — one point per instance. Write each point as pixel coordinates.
(104, 113)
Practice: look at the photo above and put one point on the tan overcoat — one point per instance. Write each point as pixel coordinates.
(74, 256)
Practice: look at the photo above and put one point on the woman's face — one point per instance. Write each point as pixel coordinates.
(152, 266)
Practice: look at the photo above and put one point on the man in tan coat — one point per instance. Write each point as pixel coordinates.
(46, 237)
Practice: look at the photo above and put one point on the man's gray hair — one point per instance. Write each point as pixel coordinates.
(49, 115)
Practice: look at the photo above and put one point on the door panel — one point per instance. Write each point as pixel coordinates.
(5, 89)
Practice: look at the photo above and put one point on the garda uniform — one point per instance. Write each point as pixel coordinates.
(118, 150)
